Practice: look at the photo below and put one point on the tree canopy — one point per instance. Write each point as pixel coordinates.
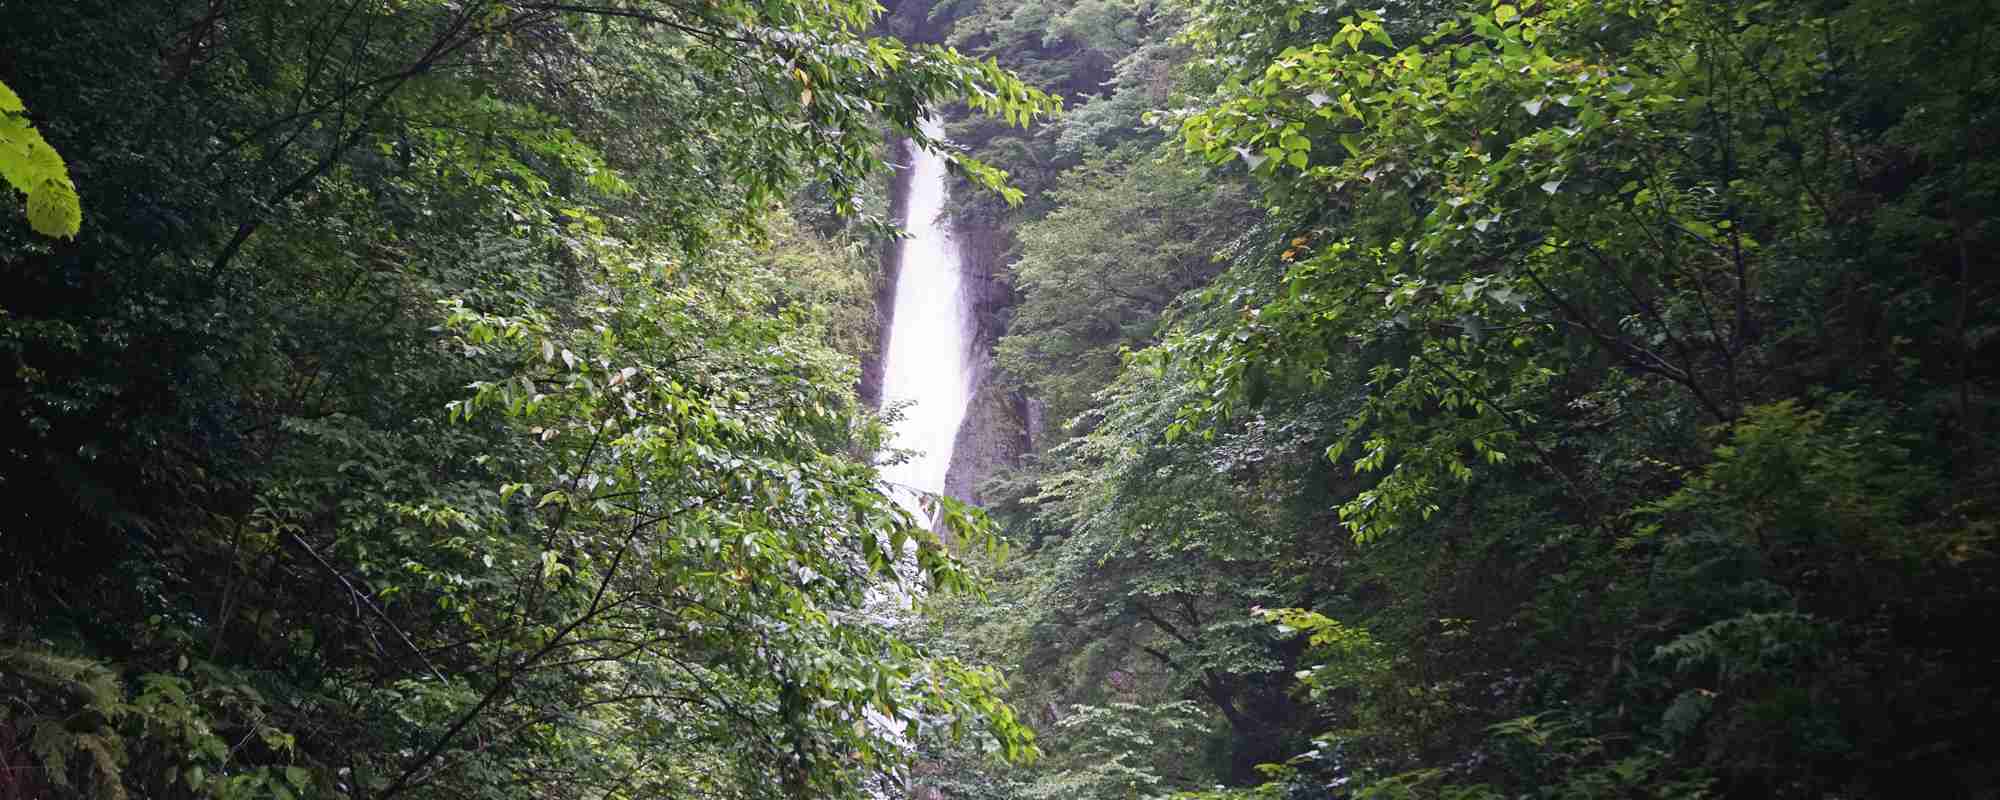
(442, 399)
(1437, 399)
(1590, 400)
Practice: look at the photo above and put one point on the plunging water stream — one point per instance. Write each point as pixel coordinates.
(926, 362)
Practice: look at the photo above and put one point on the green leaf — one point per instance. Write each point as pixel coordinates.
(29, 164)
(54, 210)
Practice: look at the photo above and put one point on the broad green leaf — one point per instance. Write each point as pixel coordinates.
(53, 210)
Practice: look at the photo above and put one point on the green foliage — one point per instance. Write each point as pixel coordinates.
(1618, 204)
(1132, 232)
(99, 702)
(1639, 350)
(1120, 750)
(825, 282)
(1743, 646)
(1126, 748)
(1549, 399)
(87, 735)
(445, 404)
(1343, 656)
(32, 167)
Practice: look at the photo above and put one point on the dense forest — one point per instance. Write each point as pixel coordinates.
(1437, 399)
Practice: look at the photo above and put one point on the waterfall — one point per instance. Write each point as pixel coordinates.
(926, 363)
(927, 371)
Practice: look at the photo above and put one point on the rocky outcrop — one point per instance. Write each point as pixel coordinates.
(999, 423)
(994, 435)
(911, 21)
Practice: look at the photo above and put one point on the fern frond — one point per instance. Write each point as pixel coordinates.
(107, 762)
(1740, 646)
(95, 684)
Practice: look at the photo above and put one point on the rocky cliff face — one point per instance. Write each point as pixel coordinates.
(910, 20)
(999, 423)
(996, 433)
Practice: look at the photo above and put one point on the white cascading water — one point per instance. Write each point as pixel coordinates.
(927, 372)
(926, 364)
